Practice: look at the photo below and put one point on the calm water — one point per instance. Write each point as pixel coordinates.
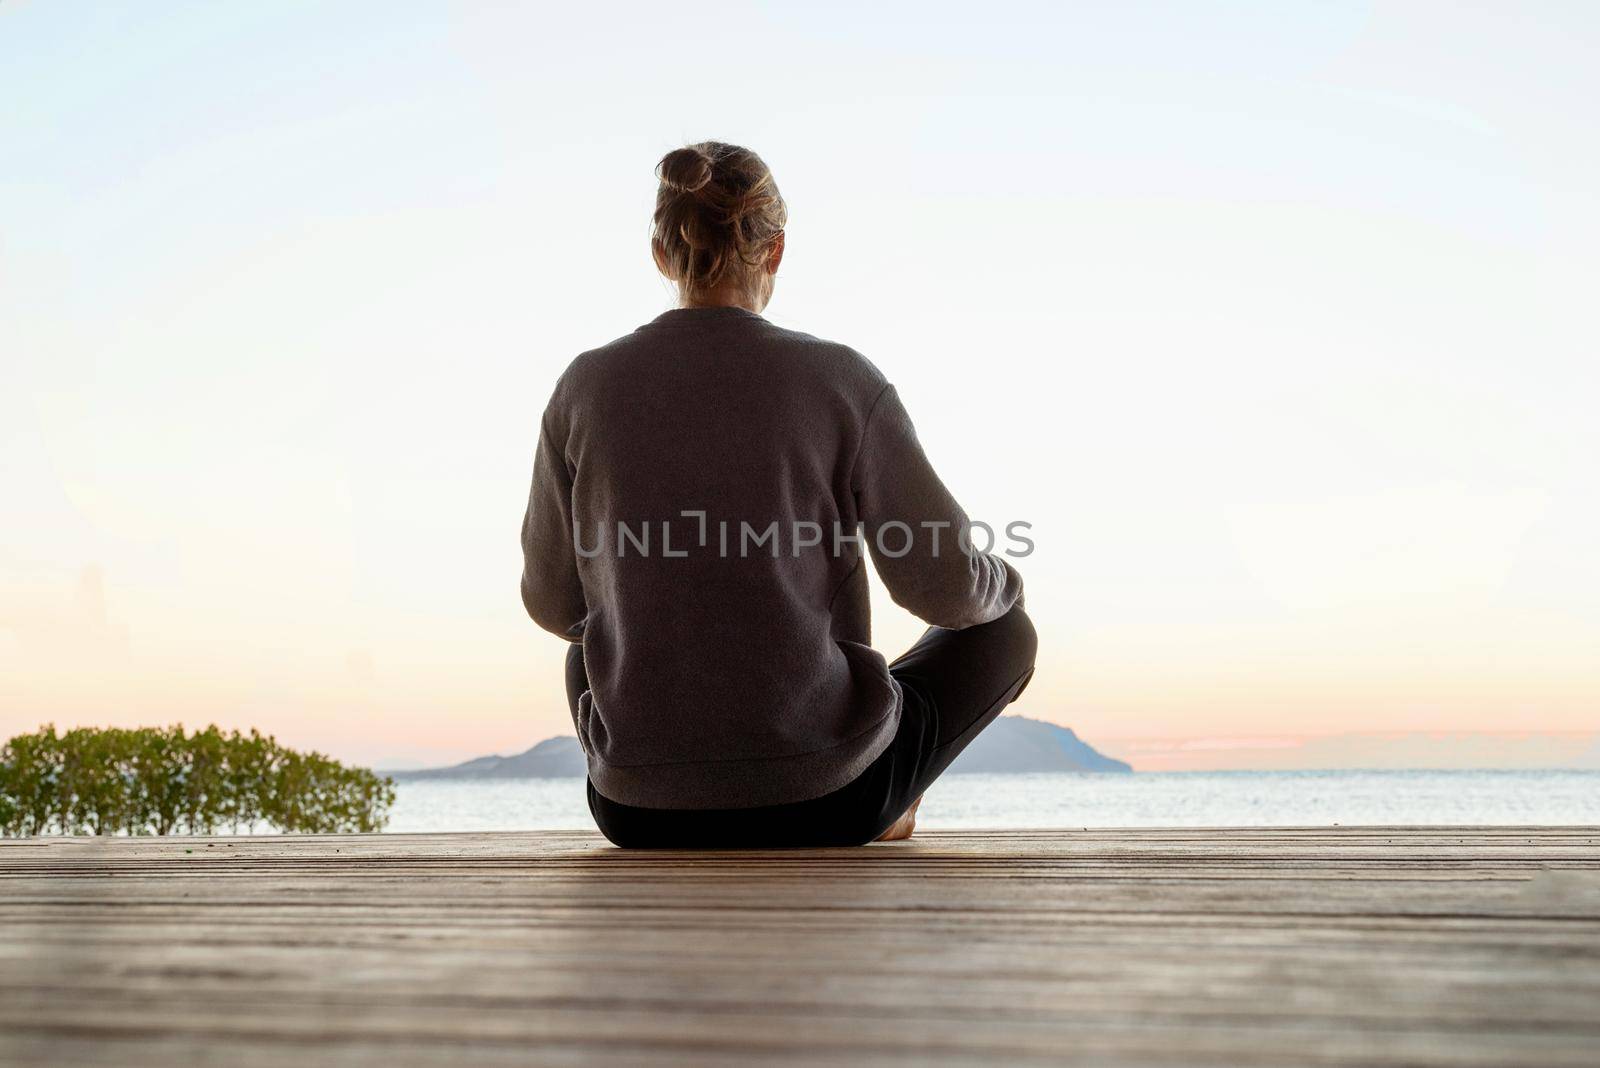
(1151, 799)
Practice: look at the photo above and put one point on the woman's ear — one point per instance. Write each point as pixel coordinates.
(775, 254)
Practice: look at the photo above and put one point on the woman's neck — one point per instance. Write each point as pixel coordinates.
(728, 298)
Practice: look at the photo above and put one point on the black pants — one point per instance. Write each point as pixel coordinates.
(955, 682)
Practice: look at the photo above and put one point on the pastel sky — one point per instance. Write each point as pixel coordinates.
(1276, 320)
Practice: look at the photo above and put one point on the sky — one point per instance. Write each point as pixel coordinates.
(1274, 320)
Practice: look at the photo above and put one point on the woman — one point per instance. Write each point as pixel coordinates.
(704, 489)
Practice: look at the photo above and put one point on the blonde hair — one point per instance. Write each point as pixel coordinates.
(717, 213)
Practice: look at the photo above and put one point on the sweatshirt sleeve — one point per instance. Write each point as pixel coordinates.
(904, 506)
(551, 589)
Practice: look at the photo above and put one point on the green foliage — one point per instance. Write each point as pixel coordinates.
(159, 780)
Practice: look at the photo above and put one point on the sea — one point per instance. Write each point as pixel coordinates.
(1064, 800)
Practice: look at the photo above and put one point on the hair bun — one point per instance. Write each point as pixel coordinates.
(685, 170)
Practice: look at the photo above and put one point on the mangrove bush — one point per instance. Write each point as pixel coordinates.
(161, 780)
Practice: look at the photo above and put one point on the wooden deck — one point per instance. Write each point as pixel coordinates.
(1348, 946)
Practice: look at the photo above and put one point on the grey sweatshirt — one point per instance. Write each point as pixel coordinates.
(728, 649)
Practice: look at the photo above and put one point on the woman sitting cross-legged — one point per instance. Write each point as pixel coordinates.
(705, 490)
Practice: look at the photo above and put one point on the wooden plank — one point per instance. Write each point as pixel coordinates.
(1438, 945)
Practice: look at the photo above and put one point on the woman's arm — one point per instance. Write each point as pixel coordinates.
(551, 589)
(904, 506)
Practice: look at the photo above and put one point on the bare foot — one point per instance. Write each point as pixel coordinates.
(902, 827)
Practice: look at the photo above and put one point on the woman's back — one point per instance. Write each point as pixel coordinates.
(747, 653)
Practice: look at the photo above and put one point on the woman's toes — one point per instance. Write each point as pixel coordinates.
(901, 828)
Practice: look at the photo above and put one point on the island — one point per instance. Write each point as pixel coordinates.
(1011, 745)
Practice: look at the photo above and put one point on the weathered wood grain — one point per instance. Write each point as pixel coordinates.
(1240, 947)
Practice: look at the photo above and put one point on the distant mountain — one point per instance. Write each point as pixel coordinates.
(1016, 744)
(1012, 744)
(553, 758)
